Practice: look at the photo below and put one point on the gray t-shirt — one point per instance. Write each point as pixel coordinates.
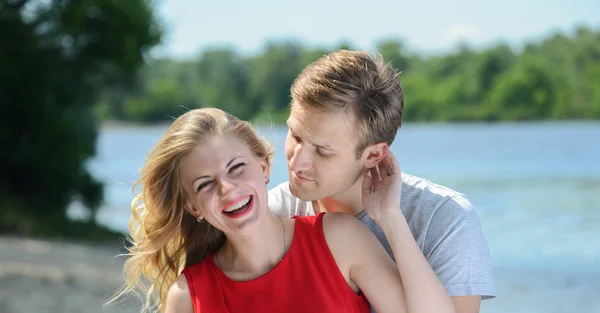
(444, 224)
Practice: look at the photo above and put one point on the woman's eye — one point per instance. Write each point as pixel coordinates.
(202, 185)
(236, 167)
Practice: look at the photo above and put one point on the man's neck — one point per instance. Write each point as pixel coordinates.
(349, 201)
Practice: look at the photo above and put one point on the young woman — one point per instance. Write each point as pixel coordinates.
(205, 240)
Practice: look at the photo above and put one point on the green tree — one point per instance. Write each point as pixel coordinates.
(55, 56)
(527, 92)
(271, 76)
(223, 82)
(393, 51)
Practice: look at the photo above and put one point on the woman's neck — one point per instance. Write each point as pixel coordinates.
(250, 256)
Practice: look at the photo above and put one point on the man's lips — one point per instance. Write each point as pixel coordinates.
(301, 178)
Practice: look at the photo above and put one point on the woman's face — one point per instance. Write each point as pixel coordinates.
(225, 183)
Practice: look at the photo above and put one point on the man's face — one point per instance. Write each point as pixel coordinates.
(321, 152)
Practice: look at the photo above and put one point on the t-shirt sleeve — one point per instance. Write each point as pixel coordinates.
(278, 202)
(457, 250)
(283, 204)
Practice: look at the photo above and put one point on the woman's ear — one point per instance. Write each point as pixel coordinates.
(266, 169)
(188, 206)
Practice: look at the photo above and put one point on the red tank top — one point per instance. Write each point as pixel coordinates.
(307, 279)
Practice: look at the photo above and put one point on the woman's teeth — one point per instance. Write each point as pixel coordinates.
(238, 205)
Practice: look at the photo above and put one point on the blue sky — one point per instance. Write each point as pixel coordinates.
(425, 26)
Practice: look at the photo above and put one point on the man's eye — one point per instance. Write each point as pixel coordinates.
(321, 154)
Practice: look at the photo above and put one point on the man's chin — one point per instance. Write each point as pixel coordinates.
(302, 194)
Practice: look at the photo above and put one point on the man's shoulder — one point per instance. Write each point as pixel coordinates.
(281, 193)
(283, 189)
(448, 230)
(284, 204)
(420, 196)
(434, 190)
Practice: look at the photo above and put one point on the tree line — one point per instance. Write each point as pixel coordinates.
(553, 78)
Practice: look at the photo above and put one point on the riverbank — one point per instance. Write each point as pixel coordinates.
(75, 277)
(60, 277)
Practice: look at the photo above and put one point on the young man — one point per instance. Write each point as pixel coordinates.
(346, 110)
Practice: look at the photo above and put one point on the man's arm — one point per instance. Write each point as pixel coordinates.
(462, 304)
(467, 304)
(381, 193)
(423, 291)
(455, 252)
(458, 253)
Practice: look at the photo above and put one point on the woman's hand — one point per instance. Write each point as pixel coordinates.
(381, 190)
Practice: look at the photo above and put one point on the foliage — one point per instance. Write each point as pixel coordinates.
(55, 56)
(555, 78)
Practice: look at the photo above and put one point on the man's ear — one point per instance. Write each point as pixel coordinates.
(374, 154)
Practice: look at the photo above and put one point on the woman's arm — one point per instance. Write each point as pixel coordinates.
(178, 298)
(409, 286)
(422, 289)
(381, 195)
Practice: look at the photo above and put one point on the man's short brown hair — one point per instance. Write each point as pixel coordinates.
(353, 81)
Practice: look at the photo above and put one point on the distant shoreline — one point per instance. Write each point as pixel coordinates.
(136, 124)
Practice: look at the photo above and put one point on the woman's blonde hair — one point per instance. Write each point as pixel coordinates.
(165, 237)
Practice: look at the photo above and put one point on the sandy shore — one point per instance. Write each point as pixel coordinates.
(44, 276)
(57, 277)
